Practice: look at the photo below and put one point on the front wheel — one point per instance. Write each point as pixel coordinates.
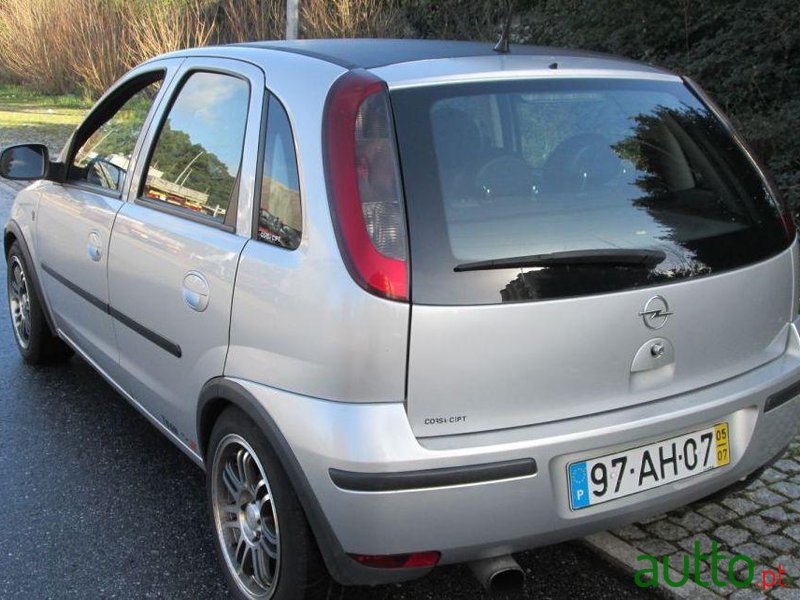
(35, 342)
(264, 543)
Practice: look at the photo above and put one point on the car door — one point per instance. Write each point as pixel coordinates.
(176, 243)
(74, 220)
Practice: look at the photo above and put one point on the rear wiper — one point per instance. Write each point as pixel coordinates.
(605, 257)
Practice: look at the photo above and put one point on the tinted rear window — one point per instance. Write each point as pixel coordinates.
(514, 169)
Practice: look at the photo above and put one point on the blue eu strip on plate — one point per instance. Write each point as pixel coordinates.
(579, 485)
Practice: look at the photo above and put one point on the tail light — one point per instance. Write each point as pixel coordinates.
(772, 188)
(364, 186)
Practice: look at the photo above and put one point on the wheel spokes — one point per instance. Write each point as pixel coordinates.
(19, 277)
(262, 574)
(241, 551)
(19, 303)
(248, 471)
(269, 544)
(245, 518)
(267, 523)
(232, 481)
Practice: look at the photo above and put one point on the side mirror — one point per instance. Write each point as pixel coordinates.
(25, 162)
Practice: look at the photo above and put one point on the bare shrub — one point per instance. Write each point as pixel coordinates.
(87, 44)
(28, 29)
(95, 46)
(158, 27)
(251, 20)
(349, 18)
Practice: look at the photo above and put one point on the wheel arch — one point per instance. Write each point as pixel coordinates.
(9, 238)
(13, 233)
(219, 393)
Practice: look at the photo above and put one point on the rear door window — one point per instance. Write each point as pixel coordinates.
(196, 158)
(532, 190)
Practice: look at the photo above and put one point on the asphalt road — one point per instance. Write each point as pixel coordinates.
(96, 503)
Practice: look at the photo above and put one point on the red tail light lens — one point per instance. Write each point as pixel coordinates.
(363, 175)
(398, 561)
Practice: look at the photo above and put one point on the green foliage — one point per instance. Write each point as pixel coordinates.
(21, 98)
(742, 52)
(453, 19)
(26, 116)
(190, 165)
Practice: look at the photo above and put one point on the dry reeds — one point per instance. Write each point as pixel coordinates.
(88, 44)
(250, 20)
(349, 18)
(158, 27)
(29, 34)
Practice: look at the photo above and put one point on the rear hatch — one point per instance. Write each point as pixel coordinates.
(579, 246)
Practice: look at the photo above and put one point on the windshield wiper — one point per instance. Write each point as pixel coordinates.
(601, 257)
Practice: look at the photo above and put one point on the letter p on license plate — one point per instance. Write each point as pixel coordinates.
(624, 473)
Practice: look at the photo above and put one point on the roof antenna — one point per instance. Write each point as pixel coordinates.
(502, 44)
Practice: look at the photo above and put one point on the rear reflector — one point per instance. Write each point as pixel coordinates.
(414, 560)
(782, 397)
(363, 175)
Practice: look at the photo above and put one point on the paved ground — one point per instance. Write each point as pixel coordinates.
(761, 521)
(95, 503)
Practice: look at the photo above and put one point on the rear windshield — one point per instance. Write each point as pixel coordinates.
(529, 190)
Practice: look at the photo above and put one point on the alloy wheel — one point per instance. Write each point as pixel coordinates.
(19, 302)
(245, 518)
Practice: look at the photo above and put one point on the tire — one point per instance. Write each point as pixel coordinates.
(242, 474)
(35, 341)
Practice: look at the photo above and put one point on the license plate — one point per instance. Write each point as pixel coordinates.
(635, 470)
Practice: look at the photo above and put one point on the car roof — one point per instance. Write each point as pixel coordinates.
(374, 53)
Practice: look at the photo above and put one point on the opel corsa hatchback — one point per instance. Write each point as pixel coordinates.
(412, 303)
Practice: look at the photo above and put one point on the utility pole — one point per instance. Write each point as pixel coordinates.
(292, 10)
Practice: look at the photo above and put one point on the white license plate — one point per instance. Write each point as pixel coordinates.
(624, 473)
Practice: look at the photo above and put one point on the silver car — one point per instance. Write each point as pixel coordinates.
(413, 303)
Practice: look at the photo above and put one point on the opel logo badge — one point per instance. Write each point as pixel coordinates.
(655, 312)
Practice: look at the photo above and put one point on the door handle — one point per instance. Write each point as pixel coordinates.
(93, 246)
(195, 291)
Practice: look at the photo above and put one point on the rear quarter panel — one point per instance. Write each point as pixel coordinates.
(300, 323)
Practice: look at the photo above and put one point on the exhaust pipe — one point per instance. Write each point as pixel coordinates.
(499, 575)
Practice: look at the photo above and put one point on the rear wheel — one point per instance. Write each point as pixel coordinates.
(264, 543)
(35, 342)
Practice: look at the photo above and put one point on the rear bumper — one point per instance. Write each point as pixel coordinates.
(500, 511)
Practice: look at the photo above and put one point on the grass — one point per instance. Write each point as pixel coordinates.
(26, 116)
(17, 95)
